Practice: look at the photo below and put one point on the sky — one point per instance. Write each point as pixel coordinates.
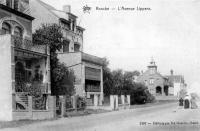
(169, 32)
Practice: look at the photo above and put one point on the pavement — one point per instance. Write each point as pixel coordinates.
(157, 118)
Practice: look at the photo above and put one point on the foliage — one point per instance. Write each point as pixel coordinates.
(120, 82)
(117, 76)
(62, 80)
(107, 78)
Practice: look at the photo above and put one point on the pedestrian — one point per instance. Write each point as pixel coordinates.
(181, 103)
(187, 102)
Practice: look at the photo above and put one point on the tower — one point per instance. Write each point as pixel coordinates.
(152, 67)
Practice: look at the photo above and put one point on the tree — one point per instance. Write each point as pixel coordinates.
(61, 78)
(107, 78)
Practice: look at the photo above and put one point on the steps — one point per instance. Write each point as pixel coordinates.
(21, 101)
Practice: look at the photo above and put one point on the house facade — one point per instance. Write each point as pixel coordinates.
(156, 83)
(159, 85)
(87, 68)
(177, 82)
(24, 66)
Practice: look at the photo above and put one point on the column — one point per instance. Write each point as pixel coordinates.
(102, 95)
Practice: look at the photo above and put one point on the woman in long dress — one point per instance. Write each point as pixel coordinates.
(187, 102)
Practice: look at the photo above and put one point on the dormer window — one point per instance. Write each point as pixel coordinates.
(6, 28)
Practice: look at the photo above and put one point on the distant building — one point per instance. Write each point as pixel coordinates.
(87, 68)
(177, 82)
(160, 85)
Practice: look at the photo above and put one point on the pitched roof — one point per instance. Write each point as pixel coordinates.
(49, 7)
(175, 78)
(58, 13)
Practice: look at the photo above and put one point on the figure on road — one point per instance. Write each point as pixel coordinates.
(187, 102)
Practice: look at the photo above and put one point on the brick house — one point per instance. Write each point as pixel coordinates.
(24, 65)
(156, 83)
(160, 85)
(87, 68)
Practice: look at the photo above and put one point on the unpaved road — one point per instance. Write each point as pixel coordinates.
(158, 118)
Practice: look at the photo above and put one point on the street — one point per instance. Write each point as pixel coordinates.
(156, 118)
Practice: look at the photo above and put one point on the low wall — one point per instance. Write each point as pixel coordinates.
(37, 114)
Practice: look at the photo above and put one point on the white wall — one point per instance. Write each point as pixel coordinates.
(5, 78)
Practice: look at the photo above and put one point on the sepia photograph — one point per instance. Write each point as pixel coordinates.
(99, 65)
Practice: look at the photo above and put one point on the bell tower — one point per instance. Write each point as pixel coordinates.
(152, 67)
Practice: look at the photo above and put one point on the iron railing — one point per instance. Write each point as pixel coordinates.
(25, 44)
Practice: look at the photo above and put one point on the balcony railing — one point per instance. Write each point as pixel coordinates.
(30, 87)
(90, 88)
(25, 44)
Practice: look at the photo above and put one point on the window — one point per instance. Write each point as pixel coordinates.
(18, 31)
(16, 4)
(9, 3)
(151, 71)
(66, 46)
(73, 24)
(6, 28)
(76, 47)
(151, 81)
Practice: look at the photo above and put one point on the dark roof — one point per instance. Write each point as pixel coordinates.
(18, 13)
(175, 78)
(92, 59)
(81, 28)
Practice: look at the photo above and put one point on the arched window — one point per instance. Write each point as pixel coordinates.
(18, 31)
(6, 28)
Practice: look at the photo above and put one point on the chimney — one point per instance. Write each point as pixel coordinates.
(172, 72)
(67, 8)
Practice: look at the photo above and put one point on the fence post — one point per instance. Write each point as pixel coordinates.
(30, 106)
(95, 100)
(129, 100)
(74, 99)
(117, 102)
(63, 110)
(112, 106)
(52, 105)
(123, 100)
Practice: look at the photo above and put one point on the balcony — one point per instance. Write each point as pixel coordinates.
(25, 44)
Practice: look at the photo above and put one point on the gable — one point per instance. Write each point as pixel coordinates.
(42, 15)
